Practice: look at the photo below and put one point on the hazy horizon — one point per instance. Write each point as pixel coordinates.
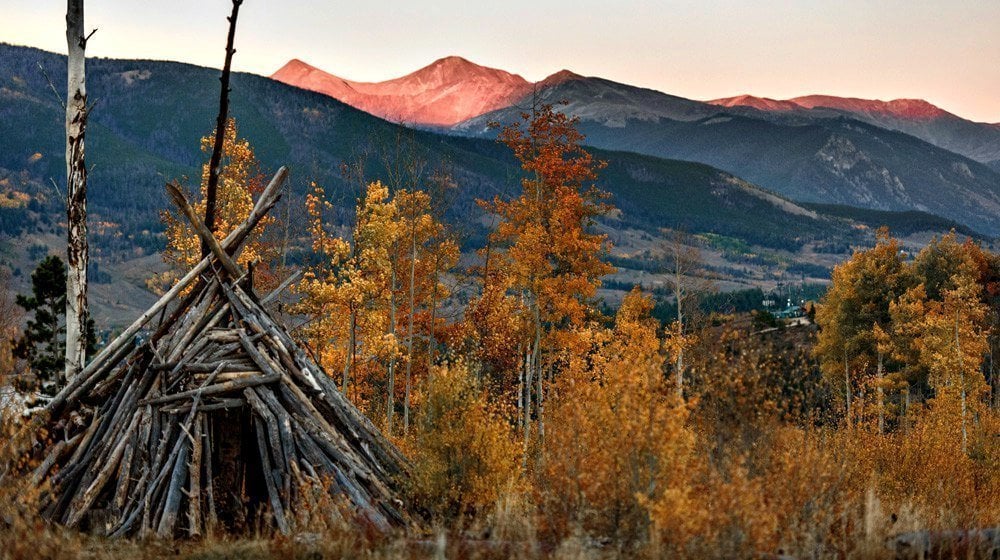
(699, 50)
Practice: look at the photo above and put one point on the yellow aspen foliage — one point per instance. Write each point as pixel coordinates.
(850, 349)
(240, 180)
(463, 450)
(496, 325)
(952, 340)
(346, 296)
(324, 290)
(615, 438)
(424, 251)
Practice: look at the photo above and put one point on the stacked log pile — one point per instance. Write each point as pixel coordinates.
(219, 416)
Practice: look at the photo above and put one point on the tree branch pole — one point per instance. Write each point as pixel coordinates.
(77, 251)
(215, 162)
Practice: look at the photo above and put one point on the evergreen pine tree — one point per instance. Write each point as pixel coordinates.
(44, 341)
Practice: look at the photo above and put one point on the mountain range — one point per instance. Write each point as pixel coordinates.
(899, 155)
(150, 116)
(978, 141)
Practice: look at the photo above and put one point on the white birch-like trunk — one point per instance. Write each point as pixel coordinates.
(409, 327)
(880, 395)
(847, 387)
(391, 392)
(961, 380)
(679, 293)
(77, 252)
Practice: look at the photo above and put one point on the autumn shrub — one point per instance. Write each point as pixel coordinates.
(23, 532)
(923, 470)
(615, 435)
(463, 450)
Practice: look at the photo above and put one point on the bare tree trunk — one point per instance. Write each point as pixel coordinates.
(528, 367)
(847, 387)
(679, 291)
(215, 163)
(679, 297)
(351, 350)
(880, 395)
(409, 327)
(520, 387)
(431, 340)
(77, 250)
(961, 379)
(536, 367)
(391, 392)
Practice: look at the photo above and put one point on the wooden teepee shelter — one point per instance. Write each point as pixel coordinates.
(219, 419)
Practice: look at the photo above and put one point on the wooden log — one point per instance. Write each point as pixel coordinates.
(219, 404)
(154, 487)
(194, 478)
(225, 387)
(227, 365)
(199, 318)
(58, 450)
(87, 435)
(212, 520)
(138, 458)
(168, 520)
(282, 472)
(281, 287)
(284, 425)
(229, 375)
(231, 244)
(175, 375)
(309, 455)
(77, 477)
(304, 410)
(207, 238)
(272, 491)
(77, 510)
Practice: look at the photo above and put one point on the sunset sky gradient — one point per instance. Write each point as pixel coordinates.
(945, 52)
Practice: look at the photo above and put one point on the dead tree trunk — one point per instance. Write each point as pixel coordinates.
(77, 251)
(215, 163)
(409, 326)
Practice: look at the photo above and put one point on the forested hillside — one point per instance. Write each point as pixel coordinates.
(149, 116)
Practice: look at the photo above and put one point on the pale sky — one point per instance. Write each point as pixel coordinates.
(947, 52)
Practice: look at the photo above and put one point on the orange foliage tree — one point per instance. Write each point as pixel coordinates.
(346, 295)
(616, 439)
(544, 243)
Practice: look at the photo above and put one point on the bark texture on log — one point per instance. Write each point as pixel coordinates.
(215, 163)
(219, 413)
(77, 251)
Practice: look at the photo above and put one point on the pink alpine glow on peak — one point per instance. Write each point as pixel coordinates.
(762, 103)
(559, 77)
(906, 109)
(916, 109)
(447, 91)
